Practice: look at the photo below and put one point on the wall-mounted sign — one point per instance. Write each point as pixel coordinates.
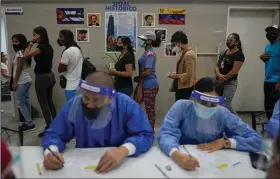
(14, 10)
(120, 6)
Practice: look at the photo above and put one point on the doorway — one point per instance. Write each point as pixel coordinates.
(250, 24)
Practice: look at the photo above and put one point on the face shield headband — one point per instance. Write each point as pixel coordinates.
(208, 100)
(97, 89)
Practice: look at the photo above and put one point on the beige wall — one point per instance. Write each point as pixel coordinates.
(202, 20)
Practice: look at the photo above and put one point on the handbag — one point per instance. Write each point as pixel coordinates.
(138, 95)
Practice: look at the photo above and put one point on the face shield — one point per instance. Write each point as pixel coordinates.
(94, 103)
(206, 105)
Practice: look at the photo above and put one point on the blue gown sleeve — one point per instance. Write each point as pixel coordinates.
(60, 132)
(246, 138)
(170, 133)
(273, 124)
(140, 132)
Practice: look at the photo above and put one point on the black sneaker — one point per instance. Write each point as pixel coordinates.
(26, 128)
(41, 134)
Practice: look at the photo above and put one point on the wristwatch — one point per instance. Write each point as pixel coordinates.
(227, 143)
(31, 43)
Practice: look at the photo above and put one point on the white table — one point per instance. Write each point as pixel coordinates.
(141, 167)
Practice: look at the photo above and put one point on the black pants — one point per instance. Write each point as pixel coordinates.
(270, 97)
(128, 90)
(183, 93)
(44, 84)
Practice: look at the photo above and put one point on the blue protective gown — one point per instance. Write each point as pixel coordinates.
(182, 126)
(273, 124)
(128, 124)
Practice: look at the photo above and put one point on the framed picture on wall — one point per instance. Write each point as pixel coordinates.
(174, 16)
(163, 33)
(82, 35)
(70, 15)
(148, 19)
(169, 50)
(94, 20)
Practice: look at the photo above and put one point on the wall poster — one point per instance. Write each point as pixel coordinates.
(70, 15)
(174, 16)
(120, 24)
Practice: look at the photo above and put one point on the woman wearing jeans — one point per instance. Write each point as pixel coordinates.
(44, 78)
(147, 71)
(23, 82)
(228, 66)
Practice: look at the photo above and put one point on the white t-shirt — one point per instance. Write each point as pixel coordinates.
(24, 76)
(73, 58)
(4, 67)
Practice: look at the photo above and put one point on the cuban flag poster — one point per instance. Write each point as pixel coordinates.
(174, 16)
(70, 15)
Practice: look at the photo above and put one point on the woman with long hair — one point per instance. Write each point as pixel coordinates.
(22, 80)
(147, 71)
(44, 78)
(71, 63)
(124, 67)
(228, 66)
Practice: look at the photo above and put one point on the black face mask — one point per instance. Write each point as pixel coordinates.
(230, 45)
(271, 36)
(60, 42)
(119, 48)
(91, 113)
(16, 47)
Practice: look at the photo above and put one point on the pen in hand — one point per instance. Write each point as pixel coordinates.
(55, 155)
(187, 151)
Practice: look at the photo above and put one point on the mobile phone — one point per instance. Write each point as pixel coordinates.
(259, 161)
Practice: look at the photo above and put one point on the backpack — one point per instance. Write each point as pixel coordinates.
(87, 68)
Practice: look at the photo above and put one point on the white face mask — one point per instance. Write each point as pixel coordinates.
(177, 49)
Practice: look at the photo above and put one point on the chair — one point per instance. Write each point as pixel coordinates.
(259, 118)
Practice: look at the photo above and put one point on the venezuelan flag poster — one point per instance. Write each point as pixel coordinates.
(172, 16)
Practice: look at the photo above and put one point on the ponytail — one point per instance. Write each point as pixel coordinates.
(156, 43)
(239, 46)
(130, 50)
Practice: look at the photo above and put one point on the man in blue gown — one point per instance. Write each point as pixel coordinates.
(203, 122)
(100, 117)
(273, 124)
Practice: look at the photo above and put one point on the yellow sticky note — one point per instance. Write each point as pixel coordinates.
(91, 167)
(223, 166)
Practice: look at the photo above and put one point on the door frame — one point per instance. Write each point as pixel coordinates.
(248, 8)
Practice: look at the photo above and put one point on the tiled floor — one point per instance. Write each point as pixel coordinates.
(31, 138)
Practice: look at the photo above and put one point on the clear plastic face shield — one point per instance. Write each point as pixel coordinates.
(206, 105)
(94, 103)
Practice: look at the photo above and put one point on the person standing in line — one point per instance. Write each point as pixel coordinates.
(71, 62)
(23, 84)
(147, 71)
(4, 68)
(44, 78)
(228, 66)
(185, 76)
(124, 67)
(271, 58)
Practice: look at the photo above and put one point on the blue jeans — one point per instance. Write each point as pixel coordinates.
(23, 102)
(69, 94)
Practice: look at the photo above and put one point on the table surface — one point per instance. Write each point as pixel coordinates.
(141, 167)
